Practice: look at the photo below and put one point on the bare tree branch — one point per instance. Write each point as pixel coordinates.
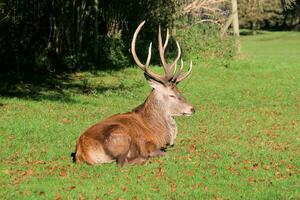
(205, 10)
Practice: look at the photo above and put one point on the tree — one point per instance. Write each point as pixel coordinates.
(204, 11)
(263, 13)
(292, 14)
(75, 34)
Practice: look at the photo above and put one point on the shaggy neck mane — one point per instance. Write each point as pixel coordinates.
(155, 117)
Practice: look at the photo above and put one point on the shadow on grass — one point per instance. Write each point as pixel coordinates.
(250, 32)
(34, 86)
(52, 87)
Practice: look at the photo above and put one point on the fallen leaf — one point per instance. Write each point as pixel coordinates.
(173, 187)
(214, 172)
(42, 193)
(82, 197)
(197, 185)
(206, 188)
(155, 189)
(251, 179)
(63, 173)
(254, 167)
(66, 120)
(71, 188)
(160, 171)
(217, 156)
(246, 161)
(57, 197)
(192, 148)
(266, 167)
(190, 173)
(283, 162)
(40, 162)
(232, 170)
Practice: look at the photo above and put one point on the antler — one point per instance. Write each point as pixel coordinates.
(144, 67)
(171, 73)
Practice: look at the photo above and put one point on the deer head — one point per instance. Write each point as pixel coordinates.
(165, 86)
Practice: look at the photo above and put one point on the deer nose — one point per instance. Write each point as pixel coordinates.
(193, 110)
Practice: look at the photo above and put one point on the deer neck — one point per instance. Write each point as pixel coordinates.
(156, 116)
(154, 109)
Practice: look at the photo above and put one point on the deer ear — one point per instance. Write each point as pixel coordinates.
(154, 83)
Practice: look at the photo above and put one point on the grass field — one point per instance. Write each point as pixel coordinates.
(243, 142)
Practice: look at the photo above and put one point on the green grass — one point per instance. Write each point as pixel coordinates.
(243, 142)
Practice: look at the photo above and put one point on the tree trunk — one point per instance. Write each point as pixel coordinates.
(235, 25)
(253, 27)
(96, 31)
(235, 21)
(226, 26)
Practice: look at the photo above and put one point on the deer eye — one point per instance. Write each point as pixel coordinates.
(172, 96)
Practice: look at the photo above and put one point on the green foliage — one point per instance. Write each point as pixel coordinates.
(204, 42)
(113, 52)
(242, 143)
(292, 15)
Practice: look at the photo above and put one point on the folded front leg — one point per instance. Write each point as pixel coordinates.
(157, 153)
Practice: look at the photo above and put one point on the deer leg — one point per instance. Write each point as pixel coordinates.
(122, 159)
(117, 145)
(157, 153)
(153, 150)
(138, 161)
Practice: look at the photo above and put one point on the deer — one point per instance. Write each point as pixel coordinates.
(150, 128)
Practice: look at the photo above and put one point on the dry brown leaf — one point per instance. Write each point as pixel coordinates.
(81, 197)
(251, 179)
(57, 197)
(66, 120)
(255, 167)
(217, 156)
(206, 188)
(173, 187)
(266, 167)
(192, 148)
(232, 170)
(42, 193)
(214, 172)
(71, 188)
(63, 173)
(40, 162)
(246, 161)
(160, 172)
(125, 189)
(189, 173)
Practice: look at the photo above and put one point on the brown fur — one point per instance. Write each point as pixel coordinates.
(131, 137)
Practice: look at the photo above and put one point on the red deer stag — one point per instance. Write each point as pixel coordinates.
(135, 136)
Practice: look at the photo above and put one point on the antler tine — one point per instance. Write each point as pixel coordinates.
(149, 55)
(177, 58)
(161, 50)
(136, 59)
(177, 73)
(138, 62)
(180, 76)
(167, 39)
(168, 68)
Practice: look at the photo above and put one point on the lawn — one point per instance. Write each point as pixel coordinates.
(243, 142)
